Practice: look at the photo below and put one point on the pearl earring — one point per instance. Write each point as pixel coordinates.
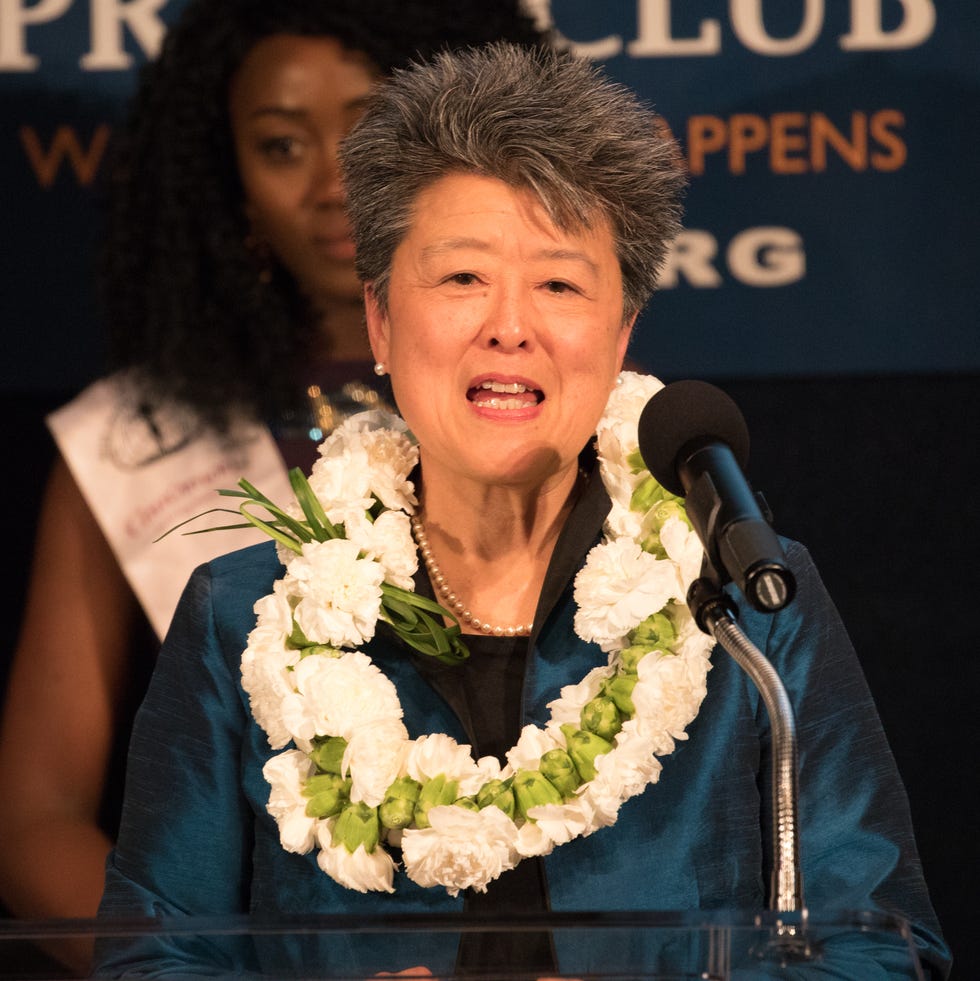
(380, 369)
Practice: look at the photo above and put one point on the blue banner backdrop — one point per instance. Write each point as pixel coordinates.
(831, 221)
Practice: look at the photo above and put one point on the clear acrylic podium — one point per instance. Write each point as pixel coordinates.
(653, 946)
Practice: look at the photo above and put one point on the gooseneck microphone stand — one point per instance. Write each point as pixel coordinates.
(714, 612)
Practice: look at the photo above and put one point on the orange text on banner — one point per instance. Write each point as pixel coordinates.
(65, 145)
(798, 142)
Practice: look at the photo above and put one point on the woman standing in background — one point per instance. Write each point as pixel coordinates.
(236, 334)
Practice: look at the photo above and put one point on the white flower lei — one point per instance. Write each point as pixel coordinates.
(354, 780)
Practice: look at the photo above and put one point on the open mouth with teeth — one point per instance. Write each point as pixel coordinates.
(504, 395)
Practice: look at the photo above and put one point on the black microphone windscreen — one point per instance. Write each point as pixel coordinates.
(680, 413)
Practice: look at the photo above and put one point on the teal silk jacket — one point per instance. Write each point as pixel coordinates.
(196, 838)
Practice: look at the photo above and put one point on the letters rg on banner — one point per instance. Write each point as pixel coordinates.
(762, 256)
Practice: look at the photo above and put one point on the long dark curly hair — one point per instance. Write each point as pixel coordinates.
(183, 302)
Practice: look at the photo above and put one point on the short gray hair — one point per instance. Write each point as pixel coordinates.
(539, 119)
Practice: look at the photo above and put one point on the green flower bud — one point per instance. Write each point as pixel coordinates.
(656, 632)
(532, 788)
(397, 810)
(321, 782)
(635, 462)
(434, 792)
(319, 649)
(652, 544)
(583, 748)
(404, 788)
(506, 802)
(329, 794)
(297, 639)
(665, 510)
(646, 494)
(559, 769)
(489, 790)
(328, 753)
(620, 689)
(467, 803)
(601, 717)
(357, 825)
(630, 657)
(497, 793)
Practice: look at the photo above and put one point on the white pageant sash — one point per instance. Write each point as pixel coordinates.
(144, 469)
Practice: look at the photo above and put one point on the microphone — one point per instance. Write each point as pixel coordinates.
(694, 441)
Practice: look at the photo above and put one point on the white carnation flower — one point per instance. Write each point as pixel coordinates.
(487, 769)
(669, 691)
(682, 546)
(353, 427)
(603, 805)
(286, 773)
(617, 476)
(533, 840)
(283, 553)
(438, 754)
(692, 643)
(372, 454)
(334, 696)
(621, 522)
(619, 586)
(628, 398)
(389, 541)
(617, 429)
(532, 745)
(573, 698)
(374, 756)
(462, 849)
(391, 459)
(338, 594)
(341, 485)
(652, 731)
(631, 766)
(267, 664)
(266, 677)
(362, 871)
(560, 823)
(274, 611)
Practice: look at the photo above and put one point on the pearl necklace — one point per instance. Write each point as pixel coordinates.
(450, 599)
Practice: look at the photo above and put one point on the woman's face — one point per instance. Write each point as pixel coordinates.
(291, 102)
(503, 335)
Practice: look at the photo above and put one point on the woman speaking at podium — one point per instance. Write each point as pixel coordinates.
(320, 738)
